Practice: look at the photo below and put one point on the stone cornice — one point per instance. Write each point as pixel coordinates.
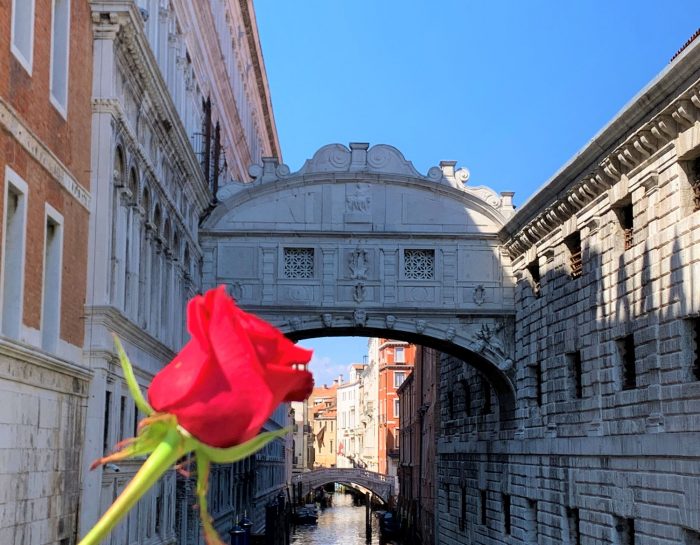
(649, 123)
(114, 321)
(11, 121)
(29, 354)
(115, 108)
(251, 27)
(105, 14)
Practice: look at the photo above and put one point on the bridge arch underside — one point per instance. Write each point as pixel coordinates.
(362, 480)
(380, 494)
(495, 372)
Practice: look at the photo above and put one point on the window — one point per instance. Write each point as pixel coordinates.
(486, 393)
(573, 245)
(396, 408)
(531, 521)
(12, 263)
(534, 270)
(482, 506)
(419, 264)
(60, 45)
(626, 218)
(538, 383)
(693, 334)
(399, 355)
(625, 530)
(573, 523)
(22, 32)
(298, 263)
(573, 360)
(105, 430)
(51, 292)
(506, 514)
(399, 377)
(625, 348)
(463, 508)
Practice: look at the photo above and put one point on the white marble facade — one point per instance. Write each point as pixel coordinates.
(155, 84)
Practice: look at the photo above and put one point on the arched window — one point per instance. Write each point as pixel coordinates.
(146, 203)
(133, 182)
(118, 174)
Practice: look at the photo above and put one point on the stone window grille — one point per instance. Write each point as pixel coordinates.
(419, 264)
(625, 347)
(534, 270)
(573, 244)
(298, 263)
(574, 522)
(695, 183)
(506, 514)
(694, 334)
(482, 505)
(625, 529)
(576, 372)
(625, 216)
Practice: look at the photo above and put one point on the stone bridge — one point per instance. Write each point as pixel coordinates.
(357, 242)
(379, 484)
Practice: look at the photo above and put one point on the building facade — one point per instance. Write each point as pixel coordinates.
(396, 360)
(45, 192)
(322, 418)
(602, 447)
(419, 411)
(348, 418)
(171, 124)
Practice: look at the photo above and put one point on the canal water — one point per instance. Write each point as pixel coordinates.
(342, 524)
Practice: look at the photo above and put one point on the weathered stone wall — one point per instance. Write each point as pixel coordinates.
(41, 432)
(605, 443)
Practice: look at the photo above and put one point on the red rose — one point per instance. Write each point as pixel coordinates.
(229, 378)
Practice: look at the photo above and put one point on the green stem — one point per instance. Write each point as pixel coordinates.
(162, 458)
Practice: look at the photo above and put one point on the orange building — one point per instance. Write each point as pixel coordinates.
(395, 360)
(322, 416)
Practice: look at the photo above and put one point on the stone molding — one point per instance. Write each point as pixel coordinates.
(12, 123)
(144, 68)
(615, 153)
(359, 157)
(20, 352)
(115, 109)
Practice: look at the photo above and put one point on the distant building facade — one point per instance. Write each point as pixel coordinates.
(349, 408)
(322, 415)
(396, 360)
(419, 411)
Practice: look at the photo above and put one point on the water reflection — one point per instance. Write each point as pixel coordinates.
(342, 524)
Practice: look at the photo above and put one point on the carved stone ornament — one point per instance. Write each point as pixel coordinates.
(487, 337)
(295, 323)
(505, 365)
(360, 318)
(358, 264)
(420, 326)
(327, 319)
(450, 333)
(390, 321)
(479, 295)
(359, 200)
(358, 292)
(235, 290)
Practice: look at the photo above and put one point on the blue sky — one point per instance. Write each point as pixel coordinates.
(509, 89)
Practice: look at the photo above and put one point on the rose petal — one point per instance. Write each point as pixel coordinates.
(179, 378)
